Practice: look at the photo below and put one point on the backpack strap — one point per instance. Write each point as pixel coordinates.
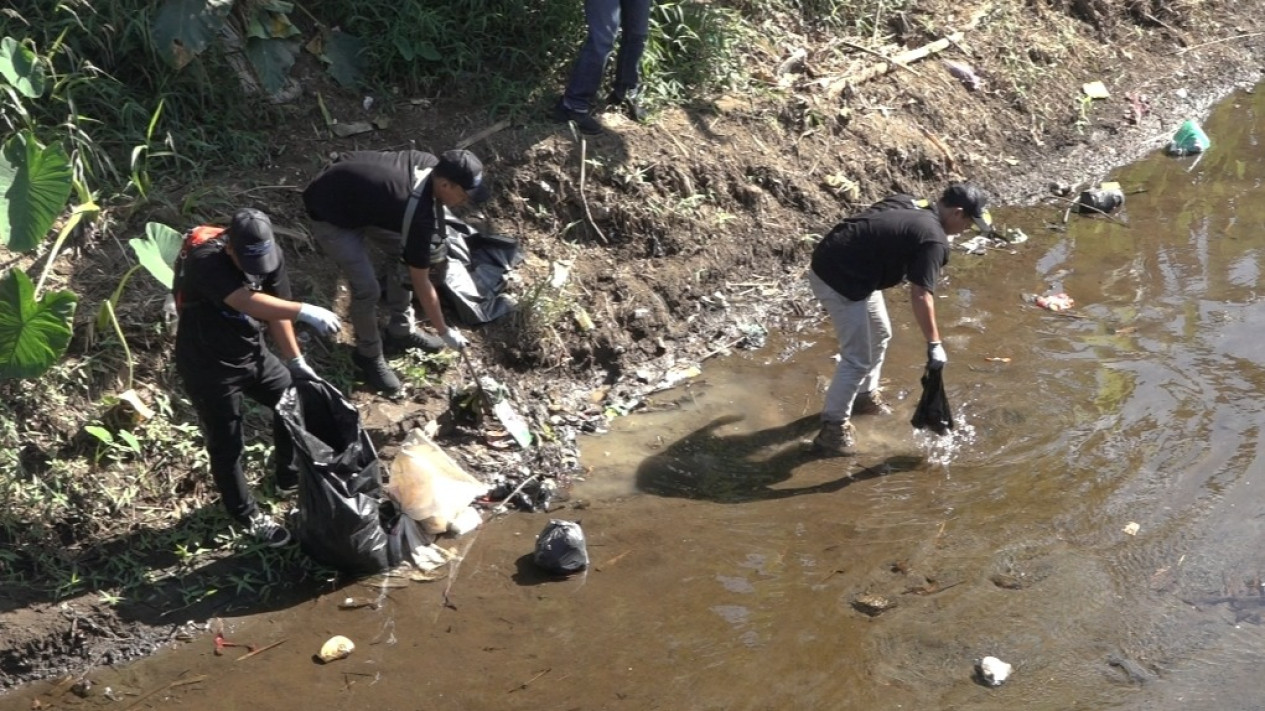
(420, 176)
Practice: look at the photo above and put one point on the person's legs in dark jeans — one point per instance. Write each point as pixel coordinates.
(634, 30)
(272, 380)
(603, 18)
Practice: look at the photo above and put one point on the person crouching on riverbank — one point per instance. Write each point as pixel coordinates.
(894, 240)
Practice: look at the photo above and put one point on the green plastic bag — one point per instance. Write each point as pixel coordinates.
(1190, 138)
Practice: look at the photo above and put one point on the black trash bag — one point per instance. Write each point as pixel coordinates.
(340, 480)
(933, 411)
(560, 548)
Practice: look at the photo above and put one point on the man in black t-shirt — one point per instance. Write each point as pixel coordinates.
(893, 241)
(228, 289)
(394, 201)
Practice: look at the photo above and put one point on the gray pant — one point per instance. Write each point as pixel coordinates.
(864, 331)
(349, 248)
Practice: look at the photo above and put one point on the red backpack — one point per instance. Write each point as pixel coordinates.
(194, 238)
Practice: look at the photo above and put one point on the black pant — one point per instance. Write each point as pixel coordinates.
(217, 397)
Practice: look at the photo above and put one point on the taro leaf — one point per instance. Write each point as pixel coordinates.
(101, 433)
(33, 334)
(158, 251)
(272, 59)
(183, 28)
(344, 55)
(35, 183)
(20, 66)
(269, 20)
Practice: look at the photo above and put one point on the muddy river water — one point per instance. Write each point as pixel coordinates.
(727, 562)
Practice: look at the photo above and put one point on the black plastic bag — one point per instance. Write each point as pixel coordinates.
(560, 548)
(340, 480)
(933, 411)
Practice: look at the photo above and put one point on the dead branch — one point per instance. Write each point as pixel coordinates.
(588, 214)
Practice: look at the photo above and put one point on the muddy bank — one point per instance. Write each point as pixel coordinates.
(689, 231)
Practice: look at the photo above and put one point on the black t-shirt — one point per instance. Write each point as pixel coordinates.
(211, 334)
(371, 189)
(891, 241)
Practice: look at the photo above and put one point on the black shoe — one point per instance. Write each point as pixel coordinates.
(413, 340)
(629, 106)
(268, 531)
(377, 373)
(583, 120)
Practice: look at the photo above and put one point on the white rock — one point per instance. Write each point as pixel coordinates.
(993, 670)
(338, 647)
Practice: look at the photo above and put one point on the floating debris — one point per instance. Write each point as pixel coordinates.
(872, 605)
(1053, 302)
(993, 671)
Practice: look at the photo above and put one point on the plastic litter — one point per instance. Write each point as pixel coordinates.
(933, 411)
(1106, 198)
(337, 647)
(993, 671)
(1054, 302)
(429, 486)
(1189, 139)
(560, 548)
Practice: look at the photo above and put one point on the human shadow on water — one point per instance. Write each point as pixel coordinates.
(735, 468)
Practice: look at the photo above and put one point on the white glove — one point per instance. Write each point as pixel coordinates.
(323, 320)
(300, 370)
(455, 340)
(936, 357)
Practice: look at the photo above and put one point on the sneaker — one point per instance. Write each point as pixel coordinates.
(836, 439)
(413, 340)
(377, 373)
(583, 120)
(266, 530)
(870, 403)
(629, 106)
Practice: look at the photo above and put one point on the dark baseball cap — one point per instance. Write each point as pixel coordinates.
(973, 201)
(251, 236)
(464, 169)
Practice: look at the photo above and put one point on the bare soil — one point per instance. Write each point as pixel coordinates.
(668, 221)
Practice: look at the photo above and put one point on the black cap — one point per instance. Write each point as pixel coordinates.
(251, 236)
(464, 169)
(973, 201)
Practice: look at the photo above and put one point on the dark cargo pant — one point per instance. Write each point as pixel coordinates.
(217, 397)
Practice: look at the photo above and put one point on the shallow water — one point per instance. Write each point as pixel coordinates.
(726, 559)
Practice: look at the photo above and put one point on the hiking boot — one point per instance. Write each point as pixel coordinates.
(629, 106)
(583, 120)
(836, 439)
(267, 531)
(870, 403)
(413, 340)
(377, 373)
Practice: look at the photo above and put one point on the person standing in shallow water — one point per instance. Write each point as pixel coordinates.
(605, 18)
(894, 240)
